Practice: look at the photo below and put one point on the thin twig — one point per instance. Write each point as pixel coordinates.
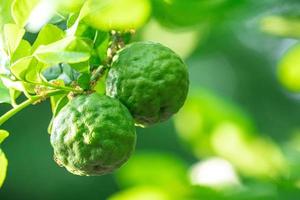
(27, 103)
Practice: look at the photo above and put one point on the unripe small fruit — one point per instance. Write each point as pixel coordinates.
(93, 135)
(150, 80)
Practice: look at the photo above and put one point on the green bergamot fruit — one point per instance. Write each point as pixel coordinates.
(150, 80)
(93, 135)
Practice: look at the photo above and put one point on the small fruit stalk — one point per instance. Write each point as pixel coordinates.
(99, 83)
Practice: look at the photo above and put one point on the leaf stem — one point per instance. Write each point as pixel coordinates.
(69, 89)
(27, 103)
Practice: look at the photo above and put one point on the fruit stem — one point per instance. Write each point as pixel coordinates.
(115, 45)
(97, 74)
(27, 103)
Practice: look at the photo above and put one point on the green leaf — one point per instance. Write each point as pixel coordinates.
(29, 88)
(57, 103)
(69, 71)
(5, 16)
(84, 81)
(83, 67)
(4, 93)
(33, 73)
(57, 19)
(101, 84)
(14, 94)
(3, 167)
(16, 85)
(72, 20)
(28, 69)
(21, 10)
(92, 36)
(20, 68)
(86, 31)
(3, 135)
(13, 87)
(127, 37)
(99, 52)
(68, 75)
(52, 73)
(12, 37)
(67, 50)
(62, 72)
(82, 29)
(70, 6)
(23, 50)
(102, 44)
(48, 34)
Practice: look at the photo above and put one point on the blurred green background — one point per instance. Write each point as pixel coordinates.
(238, 135)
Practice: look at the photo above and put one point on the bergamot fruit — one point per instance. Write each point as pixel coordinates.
(93, 135)
(150, 80)
(289, 69)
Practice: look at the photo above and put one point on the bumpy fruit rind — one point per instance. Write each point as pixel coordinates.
(150, 80)
(93, 135)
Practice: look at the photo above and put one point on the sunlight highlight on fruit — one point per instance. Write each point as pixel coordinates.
(289, 69)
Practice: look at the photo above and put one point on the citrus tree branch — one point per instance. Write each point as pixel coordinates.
(27, 103)
(97, 74)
